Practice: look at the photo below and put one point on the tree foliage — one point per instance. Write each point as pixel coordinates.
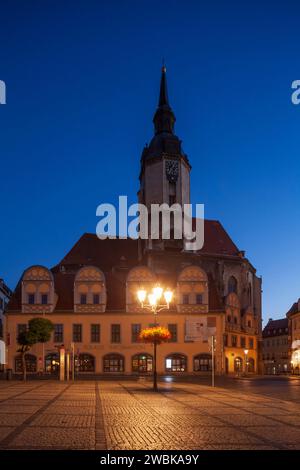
(39, 331)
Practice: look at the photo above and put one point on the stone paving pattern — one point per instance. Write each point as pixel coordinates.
(129, 415)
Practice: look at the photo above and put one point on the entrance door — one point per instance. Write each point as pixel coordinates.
(52, 363)
(142, 363)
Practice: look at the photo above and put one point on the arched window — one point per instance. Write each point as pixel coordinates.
(232, 285)
(113, 363)
(31, 363)
(176, 363)
(202, 363)
(52, 363)
(142, 363)
(238, 364)
(85, 363)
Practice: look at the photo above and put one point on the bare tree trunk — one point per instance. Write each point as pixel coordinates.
(24, 366)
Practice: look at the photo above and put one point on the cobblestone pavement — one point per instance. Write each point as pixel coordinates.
(128, 415)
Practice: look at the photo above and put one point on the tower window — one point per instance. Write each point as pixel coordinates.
(44, 299)
(199, 299)
(96, 299)
(31, 299)
(185, 299)
(83, 299)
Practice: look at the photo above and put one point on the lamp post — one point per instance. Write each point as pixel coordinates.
(246, 360)
(155, 305)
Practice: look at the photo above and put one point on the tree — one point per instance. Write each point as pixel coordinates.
(155, 335)
(39, 331)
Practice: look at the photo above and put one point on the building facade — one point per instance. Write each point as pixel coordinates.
(293, 317)
(5, 294)
(276, 347)
(90, 296)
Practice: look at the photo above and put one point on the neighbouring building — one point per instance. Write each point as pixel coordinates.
(90, 295)
(5, 294)
(293, 316)
(276, 347)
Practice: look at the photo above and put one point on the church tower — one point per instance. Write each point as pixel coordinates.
(165, 169)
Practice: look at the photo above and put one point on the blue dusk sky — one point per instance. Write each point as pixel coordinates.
(82, 83)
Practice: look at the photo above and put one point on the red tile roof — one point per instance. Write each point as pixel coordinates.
(216, 239)
(273, 326)
(295, 308)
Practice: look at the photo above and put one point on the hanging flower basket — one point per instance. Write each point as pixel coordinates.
(155, 335)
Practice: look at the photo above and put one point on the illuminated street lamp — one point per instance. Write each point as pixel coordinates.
(154, 299)
(246, 360)
(158, 299)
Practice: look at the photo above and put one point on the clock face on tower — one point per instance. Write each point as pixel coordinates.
(172, 170)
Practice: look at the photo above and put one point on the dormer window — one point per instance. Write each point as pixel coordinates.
(83, 299)
(31, 299)
(44, 299)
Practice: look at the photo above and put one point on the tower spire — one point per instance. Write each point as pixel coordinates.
(163, 93)
(164, 118)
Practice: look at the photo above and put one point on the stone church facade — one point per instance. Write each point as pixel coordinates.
(90, 296)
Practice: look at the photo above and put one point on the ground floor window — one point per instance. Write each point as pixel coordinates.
(31, 363)
(251, 365)
(52, 363)
(85, 363)
(176, 363)
(203, 363)
(113, 363)
(142, 363)
(238, 364)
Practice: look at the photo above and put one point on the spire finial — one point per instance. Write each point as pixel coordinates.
(163, 93)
